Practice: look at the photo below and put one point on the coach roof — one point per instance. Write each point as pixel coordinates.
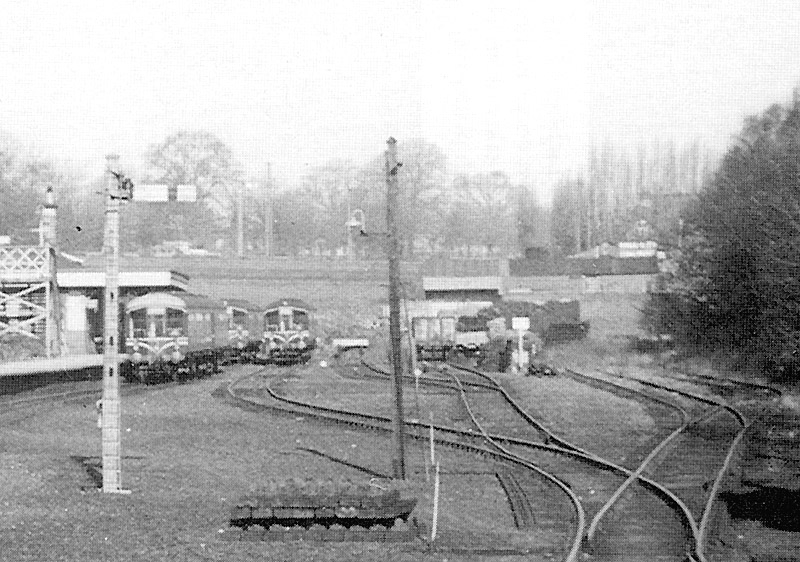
(176, 300)
(291, 302)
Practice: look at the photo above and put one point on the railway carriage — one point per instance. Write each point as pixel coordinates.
(288, 332)
(244, 330)
(174, 336)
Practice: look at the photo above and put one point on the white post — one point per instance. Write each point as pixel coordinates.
(111, 407)
(433, 457)
(521, 324)
(47, 238)
(435, 503)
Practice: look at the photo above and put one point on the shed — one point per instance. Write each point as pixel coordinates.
(463, 288)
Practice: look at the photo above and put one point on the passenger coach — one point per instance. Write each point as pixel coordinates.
(288, 332)
(244, 329)
(174, 335)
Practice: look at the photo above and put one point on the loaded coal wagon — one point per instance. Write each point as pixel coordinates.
(555, 321)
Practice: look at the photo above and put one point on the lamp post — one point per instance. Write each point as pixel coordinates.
(356, 221)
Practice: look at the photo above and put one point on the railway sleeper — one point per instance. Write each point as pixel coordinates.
(518, 501)
(394, 532)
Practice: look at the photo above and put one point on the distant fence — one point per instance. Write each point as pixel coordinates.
(255, 266)
(603, 265)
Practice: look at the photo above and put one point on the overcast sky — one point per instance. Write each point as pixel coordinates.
(524, 87)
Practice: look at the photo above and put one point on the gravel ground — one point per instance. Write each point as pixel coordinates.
(187, 457)
(597, 420)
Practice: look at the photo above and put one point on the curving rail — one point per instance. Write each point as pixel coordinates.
(695, 551)
(707, 511)
(631, 475)
(768, 388)
(384, 424)
(581, 513)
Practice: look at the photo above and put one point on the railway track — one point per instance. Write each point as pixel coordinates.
(710, 440)
(696, 533)
(261, 396)
(709, 422)
(48, 397)
(599, 486)
(726, 383)
(635, 540)
(635, 480)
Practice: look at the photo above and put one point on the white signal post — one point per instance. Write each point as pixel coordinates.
(111, 405)
(521, 324)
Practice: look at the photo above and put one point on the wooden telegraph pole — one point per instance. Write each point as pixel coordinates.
(240, 220)
(111, 437)
(392, 166)
(268, 213)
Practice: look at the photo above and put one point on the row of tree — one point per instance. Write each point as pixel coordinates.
(462, 214)
(735, 284)
(191, 158)
(438, 211)
(620, 192)
(22, 177)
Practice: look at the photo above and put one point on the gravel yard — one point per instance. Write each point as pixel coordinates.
(597, 420)
(187, 457)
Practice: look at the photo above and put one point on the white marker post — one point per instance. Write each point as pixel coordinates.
(435, 503)
(433, 456)
(521, 324)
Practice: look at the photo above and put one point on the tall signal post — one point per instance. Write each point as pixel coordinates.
(392, 166)
(117, 189)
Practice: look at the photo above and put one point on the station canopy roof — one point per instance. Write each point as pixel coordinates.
(164, 280)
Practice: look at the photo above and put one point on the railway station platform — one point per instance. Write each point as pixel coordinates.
(53, 365)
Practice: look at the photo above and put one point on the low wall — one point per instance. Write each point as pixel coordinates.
(562, 286)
